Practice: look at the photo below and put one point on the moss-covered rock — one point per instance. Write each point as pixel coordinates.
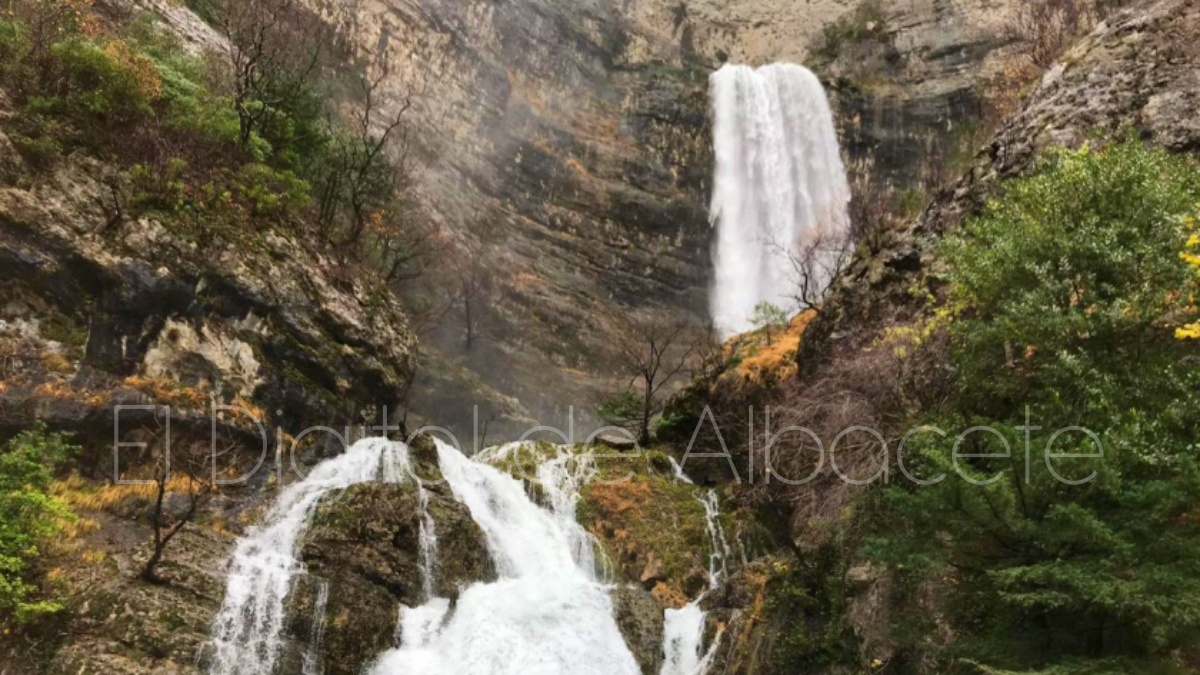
(364, 546)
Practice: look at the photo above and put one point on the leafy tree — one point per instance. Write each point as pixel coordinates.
(1067, 291)
(769, 318)
(29, 516)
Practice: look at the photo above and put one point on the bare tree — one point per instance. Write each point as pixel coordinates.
(814, 262)
(272, 47)
(655, 348)
(368, 165)
(188, 472)
(470, 266)
(1049, 26)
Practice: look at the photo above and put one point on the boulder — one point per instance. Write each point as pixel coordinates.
(640, 619)
(363, 545)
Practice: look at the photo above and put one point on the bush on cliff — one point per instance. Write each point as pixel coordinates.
(29, 517)
(1068, 292)
(213, 154)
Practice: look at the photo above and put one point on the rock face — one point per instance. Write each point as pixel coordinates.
(588, 171)
(906, 86)
(1136, 71)
(640, 618)
(261, 321)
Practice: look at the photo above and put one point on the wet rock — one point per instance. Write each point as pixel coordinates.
(640, 618)
(652, 573)
(364, 543)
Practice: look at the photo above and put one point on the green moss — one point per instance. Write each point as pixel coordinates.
(70, 332)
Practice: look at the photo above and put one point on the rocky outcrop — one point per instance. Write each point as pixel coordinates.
(1135, 72)
(106, 302)
(640, 618)
(364, 548)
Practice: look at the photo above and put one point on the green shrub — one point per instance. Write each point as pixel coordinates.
(1068, 288)
(95, 89)
(867, 22)
(160, 189)
(12, 40)
(29, 516)
(270, 193)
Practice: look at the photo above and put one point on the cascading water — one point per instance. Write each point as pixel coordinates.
(546, 615)
(683, 628)
(427, 555)
(549, 613)
(312, 657)
(780, 187)
(247, 635)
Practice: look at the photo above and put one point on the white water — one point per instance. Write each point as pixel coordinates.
(247, 634)
(779, 185)
(683, 642)
(547, 614)
(427, 543)
(683, 628)
(316, 635)
(719, 550)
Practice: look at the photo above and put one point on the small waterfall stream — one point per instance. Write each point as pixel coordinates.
(247, 635)
(779, 187)
(547, 614)
(683, 628)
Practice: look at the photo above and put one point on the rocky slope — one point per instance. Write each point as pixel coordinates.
(1134, 73)
(93, 302)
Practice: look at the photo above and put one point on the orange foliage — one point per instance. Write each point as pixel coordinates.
(138, 66)
(166, 392)
(668, 596)
(620, 498)
(778, 358)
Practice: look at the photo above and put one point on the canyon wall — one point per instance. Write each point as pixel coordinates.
(570, 143)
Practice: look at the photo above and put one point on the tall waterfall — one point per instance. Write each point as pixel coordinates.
(779, 186)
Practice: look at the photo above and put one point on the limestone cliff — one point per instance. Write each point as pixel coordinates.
(570, 141)
(587, 171)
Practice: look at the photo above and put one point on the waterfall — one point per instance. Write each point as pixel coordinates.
(427, 543)
(247, 634)
(719, 549)
(316, 635)
(683, 628)
(683, 642)
(780, 188)
(547, 614)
